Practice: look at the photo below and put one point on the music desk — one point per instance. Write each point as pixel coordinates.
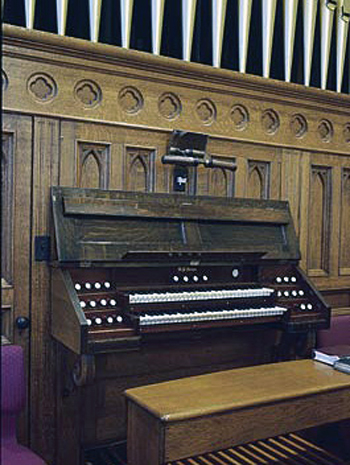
(194, 415)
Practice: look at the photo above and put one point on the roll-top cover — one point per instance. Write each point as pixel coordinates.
(109, 227)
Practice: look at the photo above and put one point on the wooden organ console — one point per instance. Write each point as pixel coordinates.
(98, 113)
(140, 272)
(133, 264)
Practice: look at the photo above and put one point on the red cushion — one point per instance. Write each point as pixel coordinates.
(16, 454)
(12, 379)
(337, 334)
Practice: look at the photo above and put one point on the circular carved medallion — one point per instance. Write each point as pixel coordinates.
(298, 125)
(42, 87)
(88, 93)
(169, 105)
(130, 99)
(240, 117)
(325, 130)
(206, 111)
(270, 121)
(346, 133)
(4, 80)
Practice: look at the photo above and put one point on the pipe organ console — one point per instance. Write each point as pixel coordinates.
(132, 265)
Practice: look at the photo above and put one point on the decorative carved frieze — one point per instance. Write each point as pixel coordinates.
(88, 93)
(206, 111)
(4, 81)
(42, 87)
(270, 121)
(298, 125)
(130, 99)
(325, 130)
(240, 117)
(346, 133)
(169, 105)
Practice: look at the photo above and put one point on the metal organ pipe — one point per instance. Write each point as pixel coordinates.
(62, 7)
(343, 17)
(327, 13)
(290, 18)
(95, 18)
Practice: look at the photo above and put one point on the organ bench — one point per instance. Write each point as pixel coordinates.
(190, 416)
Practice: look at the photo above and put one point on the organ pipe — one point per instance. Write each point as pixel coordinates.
(29, 12)
(62, 7)
(290, 19)
(310, 12)
(126, 7)
(343, 17)
(218, 18)
(327, 14)
(245, 11)
(268, 24)
(157, 25)
(95, 18)
(188, 17)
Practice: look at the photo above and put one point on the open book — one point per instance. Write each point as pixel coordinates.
(331, 354)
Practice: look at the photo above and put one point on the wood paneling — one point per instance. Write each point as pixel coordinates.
(7, 200)
(344, 264)
(319, 221)
(93, 166)
(139, 169)
(110, 131)
(258, 179)
(18, 129)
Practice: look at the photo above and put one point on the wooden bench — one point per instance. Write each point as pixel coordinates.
(191, 416)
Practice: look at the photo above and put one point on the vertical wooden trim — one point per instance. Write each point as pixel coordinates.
(335, 215)
(67, 173)
(291, 183)
(241, 177)
(304, 207)
(43, 357)
(21, 128)
(116, 178)
(275, 175)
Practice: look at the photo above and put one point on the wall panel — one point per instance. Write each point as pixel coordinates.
(16, 283)
(344, 264)
(7, 203)
(319, 221)
(110, 129)
(93, 165)
(139, 169)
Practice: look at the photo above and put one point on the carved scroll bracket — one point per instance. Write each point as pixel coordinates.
(84, 370)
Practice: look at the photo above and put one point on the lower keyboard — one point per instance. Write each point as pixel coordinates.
(209, 315)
